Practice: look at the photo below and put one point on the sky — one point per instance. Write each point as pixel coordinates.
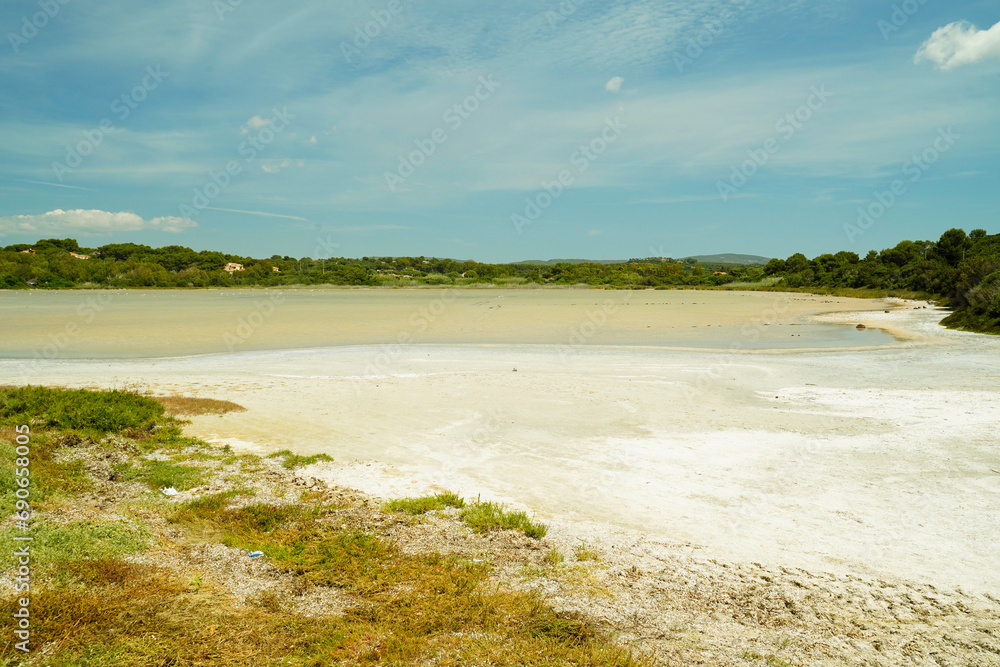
(499, 131)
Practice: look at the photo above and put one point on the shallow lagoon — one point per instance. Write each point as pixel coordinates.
(171, 323)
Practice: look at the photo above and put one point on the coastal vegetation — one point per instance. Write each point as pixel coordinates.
(962, 270)
(246, 565)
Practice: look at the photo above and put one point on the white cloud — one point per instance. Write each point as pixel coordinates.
(312, 140)
(275, 167)
(81, 221)
(255, 123)
(615, 84)
(960, 43)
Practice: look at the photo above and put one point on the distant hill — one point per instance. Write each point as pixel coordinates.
(722, 258)
(549, 262)
(730, 258)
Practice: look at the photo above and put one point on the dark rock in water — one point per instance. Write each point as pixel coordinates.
(860, 327)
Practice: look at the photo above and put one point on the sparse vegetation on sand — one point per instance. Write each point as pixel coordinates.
(425, 504)
(484, 516)
(292, 460)
(121, 576)
(259, 564)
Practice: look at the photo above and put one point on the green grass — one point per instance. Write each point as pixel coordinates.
(553, 557)
(583, 553)
(163, 474)
(78, 409)
(57, 544)
(50, 479)
(424, 504)
(769, 659)
(484, 517)
(292, 460)
(205, 508)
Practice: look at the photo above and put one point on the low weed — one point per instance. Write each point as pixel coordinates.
(483, 517)
(583, 553)
(163, 474)
(57, 544)
(78, 409)
(424, 504)
(50, 479)
(554, 558)
(292, 460)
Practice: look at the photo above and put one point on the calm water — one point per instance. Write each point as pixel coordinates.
(168, 323)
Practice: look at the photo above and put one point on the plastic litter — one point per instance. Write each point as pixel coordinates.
(171, 491)
(255, 554)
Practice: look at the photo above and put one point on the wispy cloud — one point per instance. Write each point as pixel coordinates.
(368, 228)
(264, 214)
(80, 221)
(54, 185)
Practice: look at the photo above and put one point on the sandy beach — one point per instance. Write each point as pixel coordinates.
(876, 460)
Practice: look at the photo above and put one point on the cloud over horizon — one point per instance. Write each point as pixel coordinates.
(81, 221)
(960, 43)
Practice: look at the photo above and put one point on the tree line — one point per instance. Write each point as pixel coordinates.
(963, 270)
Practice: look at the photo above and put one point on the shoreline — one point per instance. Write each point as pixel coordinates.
(712, 433)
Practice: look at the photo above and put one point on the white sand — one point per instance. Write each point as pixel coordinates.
(879, 461)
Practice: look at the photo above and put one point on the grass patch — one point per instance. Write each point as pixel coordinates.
(55, 545)
(554, 558)
(184, 406)
(769, 659)
(50, 479)
(78, 409)
(484, 517)
(292, 460)
(207, 507)
(424, 504)
(163, 474)
(583, 553)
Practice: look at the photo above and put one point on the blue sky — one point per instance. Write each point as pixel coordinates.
(676, 128)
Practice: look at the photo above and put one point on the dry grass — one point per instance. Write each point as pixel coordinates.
(118, 592)
(185, 406)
